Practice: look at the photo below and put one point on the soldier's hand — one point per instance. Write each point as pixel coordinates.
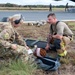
(47, 47)
(14, 46)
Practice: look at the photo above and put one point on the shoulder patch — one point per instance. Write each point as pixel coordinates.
(6, 36)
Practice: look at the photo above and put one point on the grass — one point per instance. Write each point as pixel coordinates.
(40, 33)
(18, 68)
(32, 8)
(69, 59)
(71, 25)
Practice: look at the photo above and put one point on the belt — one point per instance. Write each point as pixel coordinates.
(69, 36)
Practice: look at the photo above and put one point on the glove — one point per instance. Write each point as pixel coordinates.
(29, 51)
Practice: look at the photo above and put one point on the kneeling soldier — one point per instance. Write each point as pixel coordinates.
(10, 40)
(60, 35)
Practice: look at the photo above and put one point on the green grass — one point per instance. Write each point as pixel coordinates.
(69, 59)
(71, 25)
(18, 68)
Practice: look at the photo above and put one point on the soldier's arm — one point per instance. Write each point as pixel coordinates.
(20, 40)
(4, 37)
(5, 44)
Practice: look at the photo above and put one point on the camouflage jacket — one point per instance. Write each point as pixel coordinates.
(9, 36)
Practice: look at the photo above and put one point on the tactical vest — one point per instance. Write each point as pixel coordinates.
(51, 28)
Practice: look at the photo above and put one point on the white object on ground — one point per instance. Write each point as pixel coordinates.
(30, 51)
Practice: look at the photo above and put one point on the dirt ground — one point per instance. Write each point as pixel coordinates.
(40, 33)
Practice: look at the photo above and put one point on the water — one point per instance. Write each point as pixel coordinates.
(35, 15)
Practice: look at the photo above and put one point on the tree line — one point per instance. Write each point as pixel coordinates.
(35, 6)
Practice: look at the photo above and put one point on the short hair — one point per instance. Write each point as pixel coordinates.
(51, 14)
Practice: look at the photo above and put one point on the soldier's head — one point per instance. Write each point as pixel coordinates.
(16, 20)
(51, 18)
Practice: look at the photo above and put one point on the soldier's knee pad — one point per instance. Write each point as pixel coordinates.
(62, 53)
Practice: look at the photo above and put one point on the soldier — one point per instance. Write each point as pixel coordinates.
(59, 37)
(66, 7)
(10, 40)
(50, 7)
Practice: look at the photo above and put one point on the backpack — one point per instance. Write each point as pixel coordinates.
(48, 63)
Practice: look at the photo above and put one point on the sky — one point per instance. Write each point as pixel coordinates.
(38, 2)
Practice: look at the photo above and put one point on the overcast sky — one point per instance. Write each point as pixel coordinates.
(38, 2)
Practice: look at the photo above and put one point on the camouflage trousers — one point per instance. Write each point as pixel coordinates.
(20, 53)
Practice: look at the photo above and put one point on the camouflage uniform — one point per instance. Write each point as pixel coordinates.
(9, 36)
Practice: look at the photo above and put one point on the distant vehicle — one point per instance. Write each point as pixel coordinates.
(4, 19)
(72, 10)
